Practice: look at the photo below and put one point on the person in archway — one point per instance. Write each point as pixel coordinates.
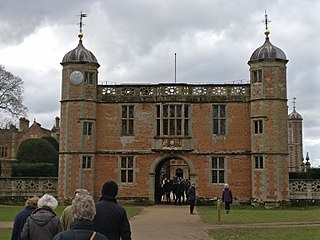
(191, 196)
(227, 197)
(167, 189)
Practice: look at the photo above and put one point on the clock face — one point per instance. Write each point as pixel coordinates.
(76, 77)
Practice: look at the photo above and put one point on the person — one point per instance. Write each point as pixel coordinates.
(43, 223)
(227, 197)
(21, 217)
(191, 196)
(111, 219)
(83, 210)
(66, 217)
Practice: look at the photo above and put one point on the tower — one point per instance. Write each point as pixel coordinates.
(268, 112)
(295, 140)
(78, 118)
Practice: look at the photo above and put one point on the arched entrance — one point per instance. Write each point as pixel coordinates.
(169, 171)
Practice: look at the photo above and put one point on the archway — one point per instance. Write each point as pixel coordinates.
(169, 171)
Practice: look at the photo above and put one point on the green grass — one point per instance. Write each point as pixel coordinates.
(249, 214)
(296, 233)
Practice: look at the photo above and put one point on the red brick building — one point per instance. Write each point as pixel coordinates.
(210, 133)
(11, 138)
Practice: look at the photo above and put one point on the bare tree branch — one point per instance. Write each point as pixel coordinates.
(11, 93)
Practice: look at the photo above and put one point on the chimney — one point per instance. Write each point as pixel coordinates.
(57, 126)
(23, 124)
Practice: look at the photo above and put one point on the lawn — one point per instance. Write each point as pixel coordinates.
(249, 214)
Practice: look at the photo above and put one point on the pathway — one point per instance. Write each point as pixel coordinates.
(168, 222)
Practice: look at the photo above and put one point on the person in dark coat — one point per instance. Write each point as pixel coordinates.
(111, 219)
(43, 223)
(191, 196)
(20, 219)
(83, 210)
(227, 198)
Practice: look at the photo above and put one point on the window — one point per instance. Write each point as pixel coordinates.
(3, 152)
(218, 170)
(86, 162)
(172, 120)
(127, 169)
(257, 76)
(219, 119)
(258, 162)
(258, 126)
(127, 120)
(87, 128)
(89, 77)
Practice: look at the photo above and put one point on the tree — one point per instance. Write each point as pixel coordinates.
(37, 150)
(11, 93)
(53, 141)
(37, 158)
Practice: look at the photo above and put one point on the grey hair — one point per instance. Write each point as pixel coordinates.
(83, 207)
(48, 200)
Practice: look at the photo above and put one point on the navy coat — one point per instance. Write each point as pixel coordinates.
(19, 222)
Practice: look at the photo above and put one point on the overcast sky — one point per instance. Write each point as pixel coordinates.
(135, 41)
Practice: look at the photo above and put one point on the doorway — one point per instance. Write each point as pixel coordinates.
(167, 171)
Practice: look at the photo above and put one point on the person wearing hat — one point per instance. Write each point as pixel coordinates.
(111, 219)
(42, 223)
(191, 195)
(21, 218)
(227, 197)
(66, 217)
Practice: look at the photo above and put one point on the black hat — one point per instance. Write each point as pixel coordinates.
(110, 188)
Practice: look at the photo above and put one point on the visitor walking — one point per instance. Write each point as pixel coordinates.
(66, 217)
(191, 196)
(43, 223)
(83, 210)
(21, 218)
(227, 197)
(111, 219)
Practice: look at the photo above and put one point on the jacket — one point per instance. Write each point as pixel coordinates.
(19, 222)
(80, 230)
(111, 219)
(191, 194)
(227, 195)
(42, 224)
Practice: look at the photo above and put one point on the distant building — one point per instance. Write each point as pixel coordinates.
(11, 138)
(209, 133)
(295, 143)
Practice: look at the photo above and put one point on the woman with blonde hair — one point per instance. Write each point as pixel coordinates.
(21, 218)
(227, 197)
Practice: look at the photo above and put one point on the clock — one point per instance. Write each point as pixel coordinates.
(76, 77)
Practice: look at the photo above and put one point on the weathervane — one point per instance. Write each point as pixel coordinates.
(294, 103)
(266, 20)
(82, 15)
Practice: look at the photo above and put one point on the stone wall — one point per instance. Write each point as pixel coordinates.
(17, 190)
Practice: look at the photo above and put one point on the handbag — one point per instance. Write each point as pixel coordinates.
(93, 235)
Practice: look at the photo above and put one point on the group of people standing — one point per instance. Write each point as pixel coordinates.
(83, 220)
(174, 189)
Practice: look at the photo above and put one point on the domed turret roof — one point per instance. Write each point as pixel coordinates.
(268, 51)
(295, 115)
(80, 54)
